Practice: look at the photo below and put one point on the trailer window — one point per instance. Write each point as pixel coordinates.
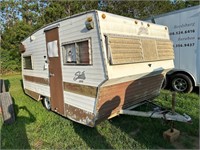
(27, 62)
(127, 50)
(77, 53)
(52, 49)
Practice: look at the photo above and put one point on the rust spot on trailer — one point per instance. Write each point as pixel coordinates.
(85, 90)
(37, 80)
(32, 94)
(109, 107)
(80, 115)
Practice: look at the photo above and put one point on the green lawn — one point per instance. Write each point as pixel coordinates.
(36, 128)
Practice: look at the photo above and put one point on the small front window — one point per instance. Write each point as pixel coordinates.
(77, 53)
(27, 62)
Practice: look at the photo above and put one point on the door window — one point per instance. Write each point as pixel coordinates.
(52, 49)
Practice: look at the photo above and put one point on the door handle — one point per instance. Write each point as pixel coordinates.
(51, 75)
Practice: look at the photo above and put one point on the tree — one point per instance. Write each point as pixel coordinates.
(19, 18)
(10, 40)
(9, 13)
(143, 9)
(60, 9)
(31, 10)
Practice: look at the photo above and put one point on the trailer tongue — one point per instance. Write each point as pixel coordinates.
(156, 112)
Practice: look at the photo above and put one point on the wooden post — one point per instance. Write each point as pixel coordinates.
(172, 134)
(173, 109)
(173, 102)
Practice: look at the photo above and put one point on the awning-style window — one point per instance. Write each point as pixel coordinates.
(124, 50)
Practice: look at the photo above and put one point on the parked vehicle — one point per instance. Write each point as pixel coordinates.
(184, 28)
(90, 66)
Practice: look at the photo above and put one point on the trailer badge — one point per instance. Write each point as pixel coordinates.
(143, 30)
(79, 76)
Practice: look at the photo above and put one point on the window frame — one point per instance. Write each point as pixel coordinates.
(24, 64)
(75, 43)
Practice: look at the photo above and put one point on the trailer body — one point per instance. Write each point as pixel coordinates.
(94, 64)
(184, 30)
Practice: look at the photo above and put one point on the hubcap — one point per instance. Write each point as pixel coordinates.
(180, 84)
(47, 103)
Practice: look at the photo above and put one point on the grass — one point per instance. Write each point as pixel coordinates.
(36, 128)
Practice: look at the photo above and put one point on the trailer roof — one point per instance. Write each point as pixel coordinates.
(69, 17)
(59, 20)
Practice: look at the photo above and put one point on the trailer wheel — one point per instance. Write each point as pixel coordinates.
(47, 103)
(181, 83)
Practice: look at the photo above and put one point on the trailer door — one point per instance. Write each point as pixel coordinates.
(55, 72)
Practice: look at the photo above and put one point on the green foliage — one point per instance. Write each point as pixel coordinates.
(144, 9)
(54, 11)
(134, 9)
(60, 9)
(18, 19)
(9, 13)
(32, 10)
(11, 38)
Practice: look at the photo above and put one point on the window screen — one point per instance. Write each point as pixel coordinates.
(77, 53)
(27, 62)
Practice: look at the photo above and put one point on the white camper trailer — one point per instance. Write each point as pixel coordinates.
(184, 29)
(90, 66)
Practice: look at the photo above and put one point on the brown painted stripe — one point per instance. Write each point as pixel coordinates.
(85, 90)
(79, 115)
(32, 94)
(36, 80)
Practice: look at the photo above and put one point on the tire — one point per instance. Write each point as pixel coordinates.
(181, 83)
(46, 103)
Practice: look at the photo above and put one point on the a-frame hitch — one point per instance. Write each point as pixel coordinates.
(157, 112)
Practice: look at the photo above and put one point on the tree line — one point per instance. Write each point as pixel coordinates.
(19, 18)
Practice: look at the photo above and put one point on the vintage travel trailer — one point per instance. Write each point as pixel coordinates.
(88, 67)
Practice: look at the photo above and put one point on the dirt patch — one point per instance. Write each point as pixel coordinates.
(38, 144)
